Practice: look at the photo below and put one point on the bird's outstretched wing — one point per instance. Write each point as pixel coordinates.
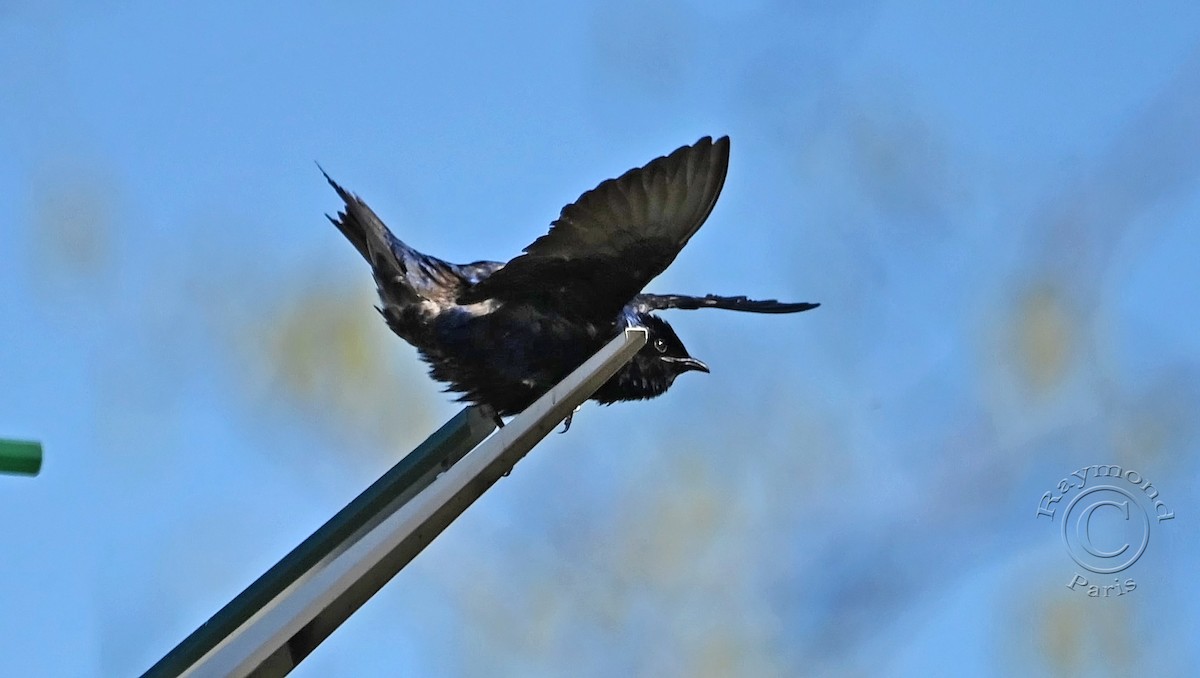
(645, 303)
(605, 247)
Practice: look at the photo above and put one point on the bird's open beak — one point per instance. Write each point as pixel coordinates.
(689, 364)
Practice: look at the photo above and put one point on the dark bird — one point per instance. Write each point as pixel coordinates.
(503, 334)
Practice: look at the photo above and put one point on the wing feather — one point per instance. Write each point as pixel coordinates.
(657, 302)
(607, 245)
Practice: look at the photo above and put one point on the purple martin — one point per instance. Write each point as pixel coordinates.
(501, 334)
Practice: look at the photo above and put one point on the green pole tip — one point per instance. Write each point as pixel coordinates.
(20, 456)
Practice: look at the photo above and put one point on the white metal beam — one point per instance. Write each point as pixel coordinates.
(283, 631)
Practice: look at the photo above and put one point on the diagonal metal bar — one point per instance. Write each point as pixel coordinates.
(408, 477)
(281, 618)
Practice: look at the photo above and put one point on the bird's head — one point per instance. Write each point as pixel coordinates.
(664, 351)
(653, 368)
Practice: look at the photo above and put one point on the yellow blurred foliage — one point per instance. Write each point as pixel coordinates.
(326, 352)
(1045, 334)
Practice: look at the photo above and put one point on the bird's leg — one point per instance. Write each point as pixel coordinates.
(567, 421)
(489, 410)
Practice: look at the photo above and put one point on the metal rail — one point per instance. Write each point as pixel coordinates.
(282, 617)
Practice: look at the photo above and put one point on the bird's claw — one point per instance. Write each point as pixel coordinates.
(567, 421)
(495, 416)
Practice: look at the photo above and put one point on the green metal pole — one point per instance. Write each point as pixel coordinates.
(407, 478)
(283, 616)
(20, 456)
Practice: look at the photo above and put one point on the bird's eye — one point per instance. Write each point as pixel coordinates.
(660, 345)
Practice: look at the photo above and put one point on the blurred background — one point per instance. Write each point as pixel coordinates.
(996, 207)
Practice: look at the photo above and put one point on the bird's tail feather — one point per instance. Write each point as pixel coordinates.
(401, 272)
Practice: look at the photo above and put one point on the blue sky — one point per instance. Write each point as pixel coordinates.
(994, 204)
